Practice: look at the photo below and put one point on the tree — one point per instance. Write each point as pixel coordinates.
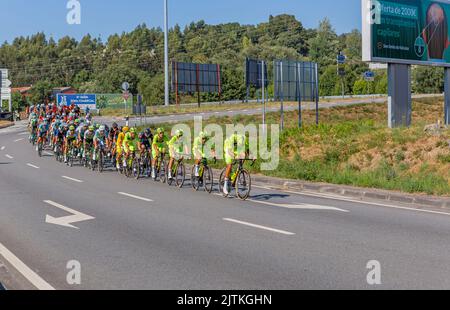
(428, 80)
(41, 92)
(324, 47)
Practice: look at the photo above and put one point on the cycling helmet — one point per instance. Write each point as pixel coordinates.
(91, 128)
(179, 133)
(159, 131)
(115, 126)
(125, 129)
(133, 130)
(72, 128)
(203, 135)
(102, 128)
(148, 131)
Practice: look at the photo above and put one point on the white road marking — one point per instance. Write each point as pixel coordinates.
(302, 206)
(18, 140)
(23, 134)
(260, 227)
(24, 270)
(72, 179)
(135, 197)
(9, 156)
(339, 198)
(2, 148)
(66, 221)
(33, 166)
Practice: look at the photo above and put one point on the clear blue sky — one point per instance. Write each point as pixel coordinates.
(105, 17)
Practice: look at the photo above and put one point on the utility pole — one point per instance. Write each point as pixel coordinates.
(166, 52)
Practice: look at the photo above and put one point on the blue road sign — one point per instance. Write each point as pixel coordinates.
(341, 59)
(81, 100)
(369, 75)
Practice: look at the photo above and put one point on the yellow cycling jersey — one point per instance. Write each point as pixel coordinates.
(120, 139)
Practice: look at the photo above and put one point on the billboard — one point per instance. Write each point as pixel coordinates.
(295, 80)
(406, 31)
(191, 78)
(113, 101)
(253, 74)
(81, 100)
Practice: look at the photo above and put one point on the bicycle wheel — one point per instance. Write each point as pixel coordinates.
(208, 179)
(162, 171)
(195, 181)
(243, 185)
(40, 146)
(100, 161)
(136, 168)
(180, 176)
(222, 182)
(170, 180)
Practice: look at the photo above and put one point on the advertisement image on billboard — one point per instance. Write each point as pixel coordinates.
(406, 31)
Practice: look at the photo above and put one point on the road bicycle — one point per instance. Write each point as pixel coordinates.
(241, 181)
(178, 173)
(132, 168)
(161, 167)
(72, 153)
(205, 176)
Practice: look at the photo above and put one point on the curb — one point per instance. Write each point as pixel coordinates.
(6, 126)
(347, 191)
(355, 192)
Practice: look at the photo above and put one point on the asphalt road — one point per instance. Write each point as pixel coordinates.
(152, 236)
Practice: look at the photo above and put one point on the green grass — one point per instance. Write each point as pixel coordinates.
(353, 146)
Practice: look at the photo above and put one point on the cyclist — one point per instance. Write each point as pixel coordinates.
(158, 148)
(145, 139)
(175, 149)
(81, 130)
(236, 146)
(88, 140)
(42, 132)
(99, 140)
(129, 145)
(33, 125)
(70, 141)
(198, 150)
(113, 134)
(119, 145)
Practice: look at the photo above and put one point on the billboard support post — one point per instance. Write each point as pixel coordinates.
(447, 96)
(299, 94)
(316, 75)
(282, 97)
(399, 95)
(263, 94)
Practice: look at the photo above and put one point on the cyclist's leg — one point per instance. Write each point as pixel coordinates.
(229, 163)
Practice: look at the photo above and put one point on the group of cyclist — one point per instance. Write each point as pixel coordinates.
(64, 127)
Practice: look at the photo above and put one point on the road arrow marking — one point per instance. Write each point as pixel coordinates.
(66, 221)
(300, 206)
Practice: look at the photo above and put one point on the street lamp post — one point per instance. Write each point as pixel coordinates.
(166, 52)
